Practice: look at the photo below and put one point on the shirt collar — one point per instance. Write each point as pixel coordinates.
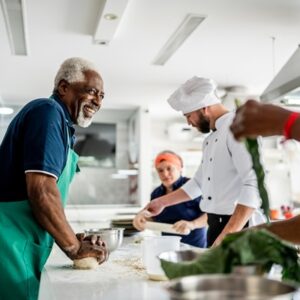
(177, 184)
(220, 121)
(64, 107)
(69, 122)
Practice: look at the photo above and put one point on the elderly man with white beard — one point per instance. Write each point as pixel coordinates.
(37, 164)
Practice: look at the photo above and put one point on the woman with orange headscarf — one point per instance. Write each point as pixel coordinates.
(184, 216)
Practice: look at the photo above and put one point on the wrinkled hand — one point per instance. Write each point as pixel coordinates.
(153, 208)
(95, 239)
(91, 246)
(253, 119)
(184, 227)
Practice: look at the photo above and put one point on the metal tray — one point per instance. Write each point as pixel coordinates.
(225, 287)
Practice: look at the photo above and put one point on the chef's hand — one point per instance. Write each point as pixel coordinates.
(89, 246)
(184, 227)
(152, 209)
(253, 119)
(140, 220)
(87, 249)
(95, 239)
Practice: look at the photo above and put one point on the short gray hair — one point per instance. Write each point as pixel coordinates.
(72, 70)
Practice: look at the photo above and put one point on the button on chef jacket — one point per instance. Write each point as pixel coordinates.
(225, 176)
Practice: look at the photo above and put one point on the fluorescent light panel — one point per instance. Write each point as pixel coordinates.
(13, 12)
(185, 29)
(119, 176)
(129, 172)
(6, 110)
(110, 14)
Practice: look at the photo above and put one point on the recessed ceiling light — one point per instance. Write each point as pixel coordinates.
(110, 17)
(111, 10)
(6, 110)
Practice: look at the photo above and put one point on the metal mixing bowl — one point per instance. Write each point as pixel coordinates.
(228, 287)
(113, 237)
(181, 256)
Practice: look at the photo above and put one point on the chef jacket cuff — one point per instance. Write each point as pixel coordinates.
(192, 188)
(249, 196)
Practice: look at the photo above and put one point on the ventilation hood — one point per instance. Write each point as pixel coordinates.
(285, 87)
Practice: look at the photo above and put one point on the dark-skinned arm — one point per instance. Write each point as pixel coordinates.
(45, 201)
(287, 229)
(254, 119)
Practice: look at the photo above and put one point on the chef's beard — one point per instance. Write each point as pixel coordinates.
(203, 124)
(82, 121)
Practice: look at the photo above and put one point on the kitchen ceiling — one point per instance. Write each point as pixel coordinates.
(233, 45)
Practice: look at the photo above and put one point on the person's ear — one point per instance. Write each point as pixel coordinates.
(205, 111)
(63, 87)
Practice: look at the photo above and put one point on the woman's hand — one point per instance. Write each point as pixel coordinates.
(184, 227)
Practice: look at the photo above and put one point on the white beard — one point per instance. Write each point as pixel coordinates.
(82, 121)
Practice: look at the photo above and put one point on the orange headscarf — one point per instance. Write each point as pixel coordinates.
(168, 157)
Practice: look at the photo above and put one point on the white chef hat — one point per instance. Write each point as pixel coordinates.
(194, 94)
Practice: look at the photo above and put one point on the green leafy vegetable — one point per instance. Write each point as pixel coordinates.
(251, 247)
(253, 149)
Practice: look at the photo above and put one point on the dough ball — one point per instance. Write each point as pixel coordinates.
(85, 263)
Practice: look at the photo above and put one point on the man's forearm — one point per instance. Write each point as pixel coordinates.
(238, 219)
(175, 197)
(287, 229)
(45, 201)
(51, 217)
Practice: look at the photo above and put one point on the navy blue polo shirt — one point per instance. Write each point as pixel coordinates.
(188, 211)
(36, 140)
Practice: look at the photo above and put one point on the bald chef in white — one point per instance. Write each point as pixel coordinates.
(225, 178)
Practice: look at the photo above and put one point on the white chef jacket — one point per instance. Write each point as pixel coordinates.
(225, 176)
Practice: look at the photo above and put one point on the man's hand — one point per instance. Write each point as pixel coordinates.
(88, 250)
(140, 219)
(254, 118)
(95, 239)
(90, 246)
(155, 207)
(184, 227)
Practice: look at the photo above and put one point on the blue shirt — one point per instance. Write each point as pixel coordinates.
(36, 140)
(188, 211)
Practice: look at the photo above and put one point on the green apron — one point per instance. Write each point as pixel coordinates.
(24, 245)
